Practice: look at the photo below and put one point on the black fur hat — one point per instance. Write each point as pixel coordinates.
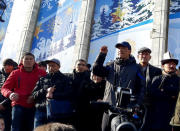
(99, 71)
(9, 62)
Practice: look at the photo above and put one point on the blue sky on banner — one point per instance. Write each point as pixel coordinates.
(56, 27)
(6, 16)
(174, 29)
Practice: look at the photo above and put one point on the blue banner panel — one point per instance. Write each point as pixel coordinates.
(174, 29)
(6, 17)
(119, 20)
(56, 29)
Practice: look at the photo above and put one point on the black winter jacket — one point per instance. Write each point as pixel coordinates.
(80, 84)
(63, 89)
(150, 73)
(123, 73)
(164, 91)
(6, 102)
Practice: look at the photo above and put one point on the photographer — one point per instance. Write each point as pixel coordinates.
(122, 72)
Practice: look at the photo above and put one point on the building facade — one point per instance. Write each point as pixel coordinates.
(72, 29)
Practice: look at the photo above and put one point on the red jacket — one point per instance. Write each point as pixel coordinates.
(22, 83)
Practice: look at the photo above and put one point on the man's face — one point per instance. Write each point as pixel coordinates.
(2, 124)
(42, 68)
(144, 57)
(28, 61)
(169, 67)
(80, 66)
(53, 67)
(123, 52)
(8, 68)
(96, 79)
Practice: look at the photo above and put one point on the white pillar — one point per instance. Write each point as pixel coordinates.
(21, 28)
(160, 31)
(83, 33)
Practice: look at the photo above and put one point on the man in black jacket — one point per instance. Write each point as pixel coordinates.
(164, 91)
(122, 72)
(149, 72)
(54, 85)
(80, 78)
(5, 104)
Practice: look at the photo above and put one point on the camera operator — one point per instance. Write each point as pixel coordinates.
(122, 72)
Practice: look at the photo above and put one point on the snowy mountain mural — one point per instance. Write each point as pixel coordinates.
(174, 6)
(56, 27)
(113, 15)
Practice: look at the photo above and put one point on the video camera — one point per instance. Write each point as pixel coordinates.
(125, 115)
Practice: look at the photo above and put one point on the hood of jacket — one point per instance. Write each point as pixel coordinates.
(131, 60)
(21, 67)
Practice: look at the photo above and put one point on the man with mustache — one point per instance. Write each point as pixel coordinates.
(164, 91)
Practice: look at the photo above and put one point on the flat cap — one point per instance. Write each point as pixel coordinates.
(53, 60)
(144, 49)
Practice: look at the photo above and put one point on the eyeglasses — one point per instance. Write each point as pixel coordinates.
(81, 64)
(144, 53)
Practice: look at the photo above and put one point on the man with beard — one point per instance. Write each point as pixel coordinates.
(164, 91)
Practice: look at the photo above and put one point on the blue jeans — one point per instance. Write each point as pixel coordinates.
(22, 118)
(40, 118)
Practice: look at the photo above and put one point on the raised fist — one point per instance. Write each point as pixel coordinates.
(104, 49)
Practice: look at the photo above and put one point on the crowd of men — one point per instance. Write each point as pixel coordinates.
(28, 88)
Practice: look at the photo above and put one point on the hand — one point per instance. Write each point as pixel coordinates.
(14, 97)
(136, 107)
(99, 100)
(104, 49)
(50, 92)
(30, 99)
(2, 107)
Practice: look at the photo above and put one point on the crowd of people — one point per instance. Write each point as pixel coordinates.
(38, 96)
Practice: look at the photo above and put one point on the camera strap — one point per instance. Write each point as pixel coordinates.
(147, 79)
(115, 81)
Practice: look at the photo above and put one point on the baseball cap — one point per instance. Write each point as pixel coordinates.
(125, 44)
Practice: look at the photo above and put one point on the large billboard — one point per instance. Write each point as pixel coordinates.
(121, 20)
(174, 29)
(4, 25)
(55, 32)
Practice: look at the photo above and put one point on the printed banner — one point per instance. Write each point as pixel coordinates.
(174, 29)
(121, 20)
(4, 25)
(56, 31)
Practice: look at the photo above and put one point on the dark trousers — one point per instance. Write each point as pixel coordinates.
(40, 118)
(22, 118)
(176, 128)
